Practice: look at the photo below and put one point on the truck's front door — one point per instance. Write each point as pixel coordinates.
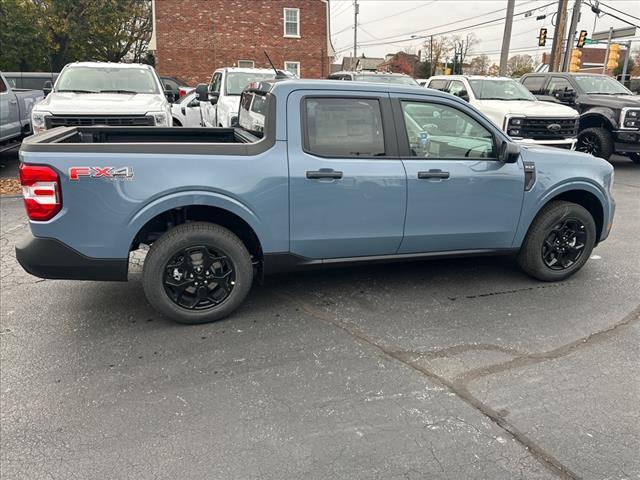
(347, 185)
(209, 111)
(460, 196)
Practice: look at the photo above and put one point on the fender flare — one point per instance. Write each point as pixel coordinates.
(604, 113)
(532, 211)
(188, 198)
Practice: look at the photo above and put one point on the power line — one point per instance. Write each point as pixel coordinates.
(616, 10)
(456, 29)
(412, 9)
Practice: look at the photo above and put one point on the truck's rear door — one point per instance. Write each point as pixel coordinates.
(347, 185)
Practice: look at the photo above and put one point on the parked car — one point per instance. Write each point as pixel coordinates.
(317, 173)
(30, 80)
(177, 86)
(514, 109)
(186, 112)
(104, 93)
(609, 113)
(15, 111)
(225, 89)
(375, 77)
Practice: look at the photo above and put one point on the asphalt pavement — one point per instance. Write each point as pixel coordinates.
(450, 369)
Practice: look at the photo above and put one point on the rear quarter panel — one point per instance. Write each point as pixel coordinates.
(100, 217)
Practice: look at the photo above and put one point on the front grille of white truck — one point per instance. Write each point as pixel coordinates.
(549, 128)
(108, 120)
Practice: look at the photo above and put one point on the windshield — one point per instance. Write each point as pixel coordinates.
(107, 79)
(236, 81)
(486, 89)
(601, 84)
(376, 78)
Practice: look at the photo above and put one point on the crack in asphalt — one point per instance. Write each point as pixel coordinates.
(460, 385)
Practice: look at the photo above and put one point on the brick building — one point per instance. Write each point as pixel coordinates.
(194, 37)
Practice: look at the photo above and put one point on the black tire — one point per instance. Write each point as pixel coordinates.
(597, 141)
(635, 158)
(536, 245)
(194, 237)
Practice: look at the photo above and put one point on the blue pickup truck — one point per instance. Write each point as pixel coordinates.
(315, 173)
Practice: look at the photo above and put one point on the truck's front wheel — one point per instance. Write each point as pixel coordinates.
(197, 273)
(559, 242)
(596, 141)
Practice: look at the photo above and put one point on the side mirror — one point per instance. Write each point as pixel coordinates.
(47, 87)
(565, 96)
(464, 95)
(509, 152)
(202, 92)
(169, 93)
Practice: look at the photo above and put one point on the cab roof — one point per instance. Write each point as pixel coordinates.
(285, 86)
(109, 65)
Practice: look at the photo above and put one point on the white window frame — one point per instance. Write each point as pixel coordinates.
(253, 64)
(286, 62)
(284, 17)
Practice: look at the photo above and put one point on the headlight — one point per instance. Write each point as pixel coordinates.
(161, 119)
(39, 122)
(513, 126)
(630, 118)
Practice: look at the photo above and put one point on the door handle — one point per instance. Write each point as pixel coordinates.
(324, 173)
(433, 174)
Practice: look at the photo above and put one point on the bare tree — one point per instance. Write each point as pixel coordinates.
(463, 46)
(479, 65)
(437, 50)
(518, 65)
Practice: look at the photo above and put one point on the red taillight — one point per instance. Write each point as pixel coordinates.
(41, 191)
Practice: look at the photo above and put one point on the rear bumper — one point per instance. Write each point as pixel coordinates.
(626, 141)
(50, 258)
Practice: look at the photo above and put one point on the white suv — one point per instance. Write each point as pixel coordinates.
(226, 86)
(514, 109)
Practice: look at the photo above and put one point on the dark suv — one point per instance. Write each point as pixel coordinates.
(609, 113)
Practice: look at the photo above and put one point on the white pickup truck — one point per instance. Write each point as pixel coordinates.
(514, 109)
(104, 93)
(225, 88)
(15, 109)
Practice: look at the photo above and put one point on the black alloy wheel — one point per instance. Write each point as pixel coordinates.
(199, 277)
(589, 143)
(564, 244)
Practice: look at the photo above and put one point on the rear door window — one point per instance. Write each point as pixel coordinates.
(343, 127)
(534, 84)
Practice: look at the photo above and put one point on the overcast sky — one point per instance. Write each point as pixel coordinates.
(393, 22)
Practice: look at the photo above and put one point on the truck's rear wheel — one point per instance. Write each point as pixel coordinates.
(197, 273)
(559, 242)
(596, 141)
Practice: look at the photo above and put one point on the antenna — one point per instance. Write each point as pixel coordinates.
(279, 73)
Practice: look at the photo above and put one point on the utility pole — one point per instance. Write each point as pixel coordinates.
(606, 53)
(431, 56)
(575, 17)
(356, 11)
(506, 38)
(558, 36)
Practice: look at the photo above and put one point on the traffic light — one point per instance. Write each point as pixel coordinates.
(582, 38)
(614, 56)
(576, 60)
(542, 37)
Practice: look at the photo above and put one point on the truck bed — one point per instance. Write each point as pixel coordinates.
(144, 140)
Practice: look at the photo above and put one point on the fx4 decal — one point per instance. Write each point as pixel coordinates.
(109, 173)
